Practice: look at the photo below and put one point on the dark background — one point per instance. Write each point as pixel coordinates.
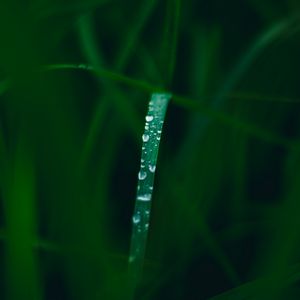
(225, 221)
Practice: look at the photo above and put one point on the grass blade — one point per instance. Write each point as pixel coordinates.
(171, 37)
(22, 266)
(141, 216)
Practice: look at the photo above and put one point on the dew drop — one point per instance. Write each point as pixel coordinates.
(152, 168)
(145, 197)
(142, 175)
(149, 118)
(136, 218)
(145, 138)
(158, 138)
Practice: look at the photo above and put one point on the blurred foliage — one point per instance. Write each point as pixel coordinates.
(75, 79)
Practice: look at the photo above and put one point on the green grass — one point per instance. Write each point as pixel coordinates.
(220, 220)
(142, 212)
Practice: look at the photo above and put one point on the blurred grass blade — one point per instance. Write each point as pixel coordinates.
(185, 102)
(117, 77)
(134, 33)
(23, 278)
(60, 8)
(253, 289)
(273, 33)
(229, 120)
(262, 42)
(112, 93)
(4, 85)
(3, 160)
(170, 39)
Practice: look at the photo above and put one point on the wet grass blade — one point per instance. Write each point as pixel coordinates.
(141, 216)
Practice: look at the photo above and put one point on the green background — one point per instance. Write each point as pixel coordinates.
(226, 206)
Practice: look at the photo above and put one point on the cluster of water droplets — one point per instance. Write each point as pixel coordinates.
(151, 138)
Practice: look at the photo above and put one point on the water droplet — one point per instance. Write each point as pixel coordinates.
(136, 218)
(159, 131)
(151, 188)
(145, 197)
(158, 138)
(152, 168)
(142, 175)
(147, 127)
(142, 160)
(149, 118)
(146, 226)
(145, 138)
